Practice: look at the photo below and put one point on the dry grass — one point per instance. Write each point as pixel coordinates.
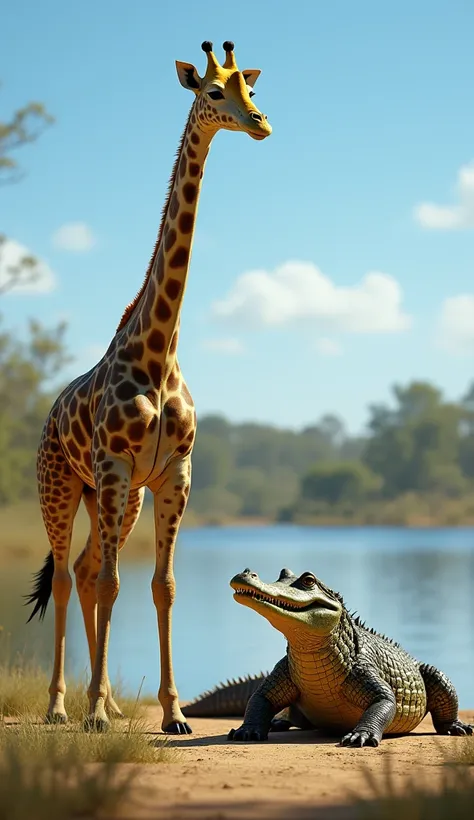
(24, 698)
(451, 796)
(51, 780)
(128, 741)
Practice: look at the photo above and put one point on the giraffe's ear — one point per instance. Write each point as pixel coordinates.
(251, 76)
(188, 76)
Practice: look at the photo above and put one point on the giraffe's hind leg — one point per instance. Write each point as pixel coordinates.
(87, 568)
(442, 702)
(60, 493)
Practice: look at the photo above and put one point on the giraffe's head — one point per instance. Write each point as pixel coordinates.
(223, 94)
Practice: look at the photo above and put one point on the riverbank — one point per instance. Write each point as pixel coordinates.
(293, 774)
(23, 536)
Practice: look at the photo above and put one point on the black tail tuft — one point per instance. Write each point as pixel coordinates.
(42, 586)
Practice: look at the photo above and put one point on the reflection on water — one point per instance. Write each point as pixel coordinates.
(414, 585)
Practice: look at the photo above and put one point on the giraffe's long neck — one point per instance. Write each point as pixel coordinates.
(154, 321)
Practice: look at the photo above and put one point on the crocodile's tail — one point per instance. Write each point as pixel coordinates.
(226, 700)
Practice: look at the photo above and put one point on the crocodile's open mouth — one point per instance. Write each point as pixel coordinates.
(278, 602)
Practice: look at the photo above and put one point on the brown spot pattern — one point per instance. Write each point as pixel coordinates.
(170, 239)
(163, 310)
(180, 257)
(139, 376)
(174, 206)
(189, 192)
(173, 288)
(186, 222)
(126, 390)
(155, 371)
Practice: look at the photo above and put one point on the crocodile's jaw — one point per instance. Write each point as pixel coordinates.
(290, 611)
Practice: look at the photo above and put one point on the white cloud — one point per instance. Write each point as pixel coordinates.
(74, 236)
(451, 217)
(11, 255)
(456, 324)
(328, 347)
(299, 291)
(228, 345)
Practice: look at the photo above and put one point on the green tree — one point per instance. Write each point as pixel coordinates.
(23, 127)
(334, 483)
(466, 440)
(212, 462)
(410, 442)
(26, 371)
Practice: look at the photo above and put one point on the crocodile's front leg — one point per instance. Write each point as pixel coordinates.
(363, 687)
(276, 692)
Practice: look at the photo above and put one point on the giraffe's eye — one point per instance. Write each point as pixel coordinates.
(251, 93)
(216, 95)
(308, 581)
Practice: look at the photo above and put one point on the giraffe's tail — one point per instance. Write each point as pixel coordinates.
(42, 586)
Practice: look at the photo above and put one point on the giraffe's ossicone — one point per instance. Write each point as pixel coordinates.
(129, 423)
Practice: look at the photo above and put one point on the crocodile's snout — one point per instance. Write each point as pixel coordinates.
(245, 575)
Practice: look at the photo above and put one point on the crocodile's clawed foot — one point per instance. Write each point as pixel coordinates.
(280, 725)
(246, 733)
(459, 728)
(360, 738)
(177, 727)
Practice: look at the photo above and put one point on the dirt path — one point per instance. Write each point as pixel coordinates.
(293, 775)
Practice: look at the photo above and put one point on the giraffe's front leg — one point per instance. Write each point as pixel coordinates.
(170, 496)
(113, 486)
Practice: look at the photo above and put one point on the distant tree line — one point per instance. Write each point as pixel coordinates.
(419, 444)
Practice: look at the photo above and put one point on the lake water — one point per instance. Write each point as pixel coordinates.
(414, 585)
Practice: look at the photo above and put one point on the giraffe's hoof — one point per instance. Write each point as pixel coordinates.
(177, 727)
(93, 723)
(56, 717)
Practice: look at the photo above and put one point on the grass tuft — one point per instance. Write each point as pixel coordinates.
(125, 742)
(49, 779)
(23, 703)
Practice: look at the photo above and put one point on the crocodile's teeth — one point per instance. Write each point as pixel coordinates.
(251, 593)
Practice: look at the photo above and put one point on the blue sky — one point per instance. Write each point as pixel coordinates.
(367, 174)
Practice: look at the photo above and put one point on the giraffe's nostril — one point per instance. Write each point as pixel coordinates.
(255, 116)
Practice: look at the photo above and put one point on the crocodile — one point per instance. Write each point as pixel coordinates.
(338, 675)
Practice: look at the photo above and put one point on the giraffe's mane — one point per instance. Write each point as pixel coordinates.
(131, 307)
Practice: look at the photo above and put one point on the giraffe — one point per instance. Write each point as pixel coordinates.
(129, 423)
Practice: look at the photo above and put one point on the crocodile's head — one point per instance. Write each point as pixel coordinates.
(301, 607)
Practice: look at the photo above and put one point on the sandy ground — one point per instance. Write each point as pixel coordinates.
(293, 775)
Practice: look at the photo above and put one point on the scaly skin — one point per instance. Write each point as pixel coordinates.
(338, 675)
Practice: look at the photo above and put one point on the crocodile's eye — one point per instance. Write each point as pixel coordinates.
(216, 95)
(308, 581)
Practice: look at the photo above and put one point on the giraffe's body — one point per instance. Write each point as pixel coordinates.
(129, 423)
